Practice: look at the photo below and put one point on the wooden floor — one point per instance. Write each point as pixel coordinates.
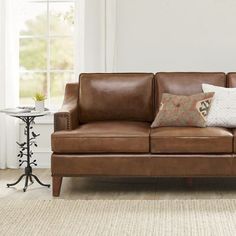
(119, 188)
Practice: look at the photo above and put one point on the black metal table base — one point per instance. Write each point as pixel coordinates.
(28, 177)
(26, 152)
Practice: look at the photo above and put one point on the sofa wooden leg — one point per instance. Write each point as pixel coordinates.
(56, 185)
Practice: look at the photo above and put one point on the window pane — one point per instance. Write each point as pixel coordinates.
(33, 19)
(30, 83)
(33, 54)
(61, 18)
(58, 83)
(62, 53)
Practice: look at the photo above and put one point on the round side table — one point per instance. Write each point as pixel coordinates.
(25, 154)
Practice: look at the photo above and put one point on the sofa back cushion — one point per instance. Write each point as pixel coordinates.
(231, 80)
(184, 83)
(116, 96)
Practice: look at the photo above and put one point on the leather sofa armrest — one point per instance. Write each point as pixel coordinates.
(67, 117)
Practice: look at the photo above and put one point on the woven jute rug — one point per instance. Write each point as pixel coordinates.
(101, 217)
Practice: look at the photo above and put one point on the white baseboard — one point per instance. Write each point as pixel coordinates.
(43, 159)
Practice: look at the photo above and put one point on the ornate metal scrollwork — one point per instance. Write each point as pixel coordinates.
(25, 153)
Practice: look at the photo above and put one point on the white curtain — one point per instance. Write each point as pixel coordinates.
(9, 82)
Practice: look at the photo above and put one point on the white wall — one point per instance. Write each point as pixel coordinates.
(176, 35)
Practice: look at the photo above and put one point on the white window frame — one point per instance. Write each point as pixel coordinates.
(77, 36)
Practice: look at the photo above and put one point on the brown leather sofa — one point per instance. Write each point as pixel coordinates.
(103, 129)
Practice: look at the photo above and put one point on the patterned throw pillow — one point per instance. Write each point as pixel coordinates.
(223, 109)
(178, 110)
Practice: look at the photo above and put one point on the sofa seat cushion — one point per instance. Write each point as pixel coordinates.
(191, 140)
(104, 137)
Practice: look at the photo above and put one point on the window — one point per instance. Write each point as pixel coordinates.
(46, 49)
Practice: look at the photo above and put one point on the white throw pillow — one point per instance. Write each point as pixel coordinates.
(223, 108)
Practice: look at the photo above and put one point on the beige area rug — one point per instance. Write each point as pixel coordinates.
(101, 217)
